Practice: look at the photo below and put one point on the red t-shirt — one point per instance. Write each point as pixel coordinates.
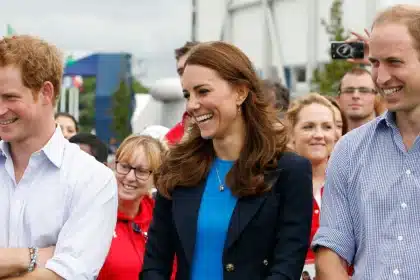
(310, 257)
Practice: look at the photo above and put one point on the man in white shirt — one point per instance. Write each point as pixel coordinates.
(58, 205)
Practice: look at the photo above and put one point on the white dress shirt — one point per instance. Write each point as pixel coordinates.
(65, 199)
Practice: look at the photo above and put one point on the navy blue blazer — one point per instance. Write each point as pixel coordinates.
(268, 235)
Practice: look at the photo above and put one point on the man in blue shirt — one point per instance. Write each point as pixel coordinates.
(370, 213)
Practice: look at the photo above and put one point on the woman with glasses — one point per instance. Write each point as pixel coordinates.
(136, 159)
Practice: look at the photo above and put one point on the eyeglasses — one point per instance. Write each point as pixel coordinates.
(362, 90)
(140, 174)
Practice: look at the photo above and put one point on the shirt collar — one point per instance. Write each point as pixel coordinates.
(53, 150)
(388, 119)
(4, 149)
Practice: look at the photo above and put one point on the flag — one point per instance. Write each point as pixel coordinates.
(10, 30)
(70, 60)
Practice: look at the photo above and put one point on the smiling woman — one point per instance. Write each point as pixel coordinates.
(137, 160)
(312, 125)
(232, 203)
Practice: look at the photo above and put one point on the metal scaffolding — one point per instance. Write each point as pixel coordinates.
(273, 67)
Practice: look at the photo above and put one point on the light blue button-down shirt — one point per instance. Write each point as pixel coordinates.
(371, 203)
(66, 199)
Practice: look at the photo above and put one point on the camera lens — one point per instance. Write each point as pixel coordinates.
(345, 51)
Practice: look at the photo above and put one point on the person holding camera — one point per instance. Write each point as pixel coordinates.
(371, 198)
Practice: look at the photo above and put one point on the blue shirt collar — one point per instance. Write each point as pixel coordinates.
(388, 118)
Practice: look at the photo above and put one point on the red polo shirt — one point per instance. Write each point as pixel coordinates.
(125, 257)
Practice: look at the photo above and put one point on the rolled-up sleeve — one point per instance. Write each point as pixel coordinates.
(84, 241)
(336, 226)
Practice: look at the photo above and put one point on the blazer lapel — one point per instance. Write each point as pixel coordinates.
(245, 210)
(186, 205)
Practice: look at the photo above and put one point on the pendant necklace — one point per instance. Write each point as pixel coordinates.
(221, 186)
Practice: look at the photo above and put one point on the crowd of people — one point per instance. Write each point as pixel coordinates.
(250, 184)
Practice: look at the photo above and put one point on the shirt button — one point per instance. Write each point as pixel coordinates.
(396, 271)
(403, 205)
(408, 172)
(400, 238)
(230, 267)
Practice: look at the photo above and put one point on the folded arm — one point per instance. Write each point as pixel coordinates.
(15, 261)
(38, 274)
(83, 242)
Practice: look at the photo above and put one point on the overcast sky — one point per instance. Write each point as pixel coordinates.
(150, 29)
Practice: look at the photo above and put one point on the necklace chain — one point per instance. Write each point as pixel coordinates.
(221, 186)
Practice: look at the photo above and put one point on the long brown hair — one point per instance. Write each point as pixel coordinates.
(187, 164)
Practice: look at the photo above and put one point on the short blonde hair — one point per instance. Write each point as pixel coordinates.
(409, 15)
(298, 104)
(153, 149)
(37, 60)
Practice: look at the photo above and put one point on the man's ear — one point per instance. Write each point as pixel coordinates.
(46, 94)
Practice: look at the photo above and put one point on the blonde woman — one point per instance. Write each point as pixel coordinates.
(136, 161)
(313, 134)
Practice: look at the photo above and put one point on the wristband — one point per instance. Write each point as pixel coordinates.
(33, 254)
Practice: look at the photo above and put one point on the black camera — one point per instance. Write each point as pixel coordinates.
(343, 50)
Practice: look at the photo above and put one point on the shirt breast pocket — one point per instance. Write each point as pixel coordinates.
(43, 219)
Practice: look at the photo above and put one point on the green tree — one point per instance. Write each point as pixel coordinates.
(87, 105)
(327, 78)
(121, 111)
(138, 87)
(87, 102)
